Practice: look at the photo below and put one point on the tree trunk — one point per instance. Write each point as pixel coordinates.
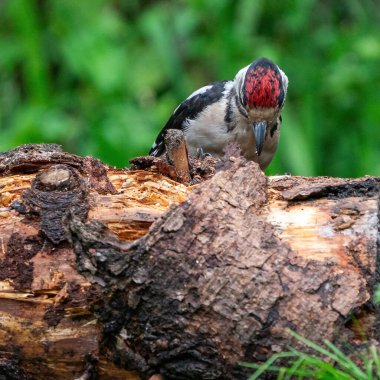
(228, 266)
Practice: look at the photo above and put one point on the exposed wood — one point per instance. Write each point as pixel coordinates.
(228, 266)
(177, 154)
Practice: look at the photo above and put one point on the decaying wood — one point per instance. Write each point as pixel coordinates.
(177, 154)
(136, 275)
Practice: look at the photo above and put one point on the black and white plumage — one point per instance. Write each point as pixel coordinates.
(246, 110)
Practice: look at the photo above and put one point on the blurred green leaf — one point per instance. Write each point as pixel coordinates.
(102, 77)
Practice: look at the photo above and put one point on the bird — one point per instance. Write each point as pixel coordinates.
(246, 110)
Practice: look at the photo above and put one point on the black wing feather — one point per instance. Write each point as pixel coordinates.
(189, 109)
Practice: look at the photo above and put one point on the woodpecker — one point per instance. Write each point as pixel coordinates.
(246, 110)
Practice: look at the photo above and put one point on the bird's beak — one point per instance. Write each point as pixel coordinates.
(259, 129)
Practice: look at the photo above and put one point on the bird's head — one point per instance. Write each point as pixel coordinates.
(261, 88)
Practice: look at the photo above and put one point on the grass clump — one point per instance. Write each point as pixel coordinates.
(327, 362)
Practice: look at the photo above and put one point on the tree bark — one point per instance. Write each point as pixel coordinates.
(126, 274)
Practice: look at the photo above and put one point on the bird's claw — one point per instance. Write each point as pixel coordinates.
(201, 154)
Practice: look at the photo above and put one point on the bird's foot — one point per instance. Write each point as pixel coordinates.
(201, 154)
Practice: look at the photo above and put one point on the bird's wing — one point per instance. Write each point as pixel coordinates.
(189, 110)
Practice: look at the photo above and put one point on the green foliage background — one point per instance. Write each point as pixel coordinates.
(102, 77)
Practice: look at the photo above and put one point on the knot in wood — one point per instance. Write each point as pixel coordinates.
(55, 178)
(58, 178)
(57, 192)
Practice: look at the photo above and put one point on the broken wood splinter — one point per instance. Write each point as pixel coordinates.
(177, 154)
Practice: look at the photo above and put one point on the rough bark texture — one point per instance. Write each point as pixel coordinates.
(226, 269)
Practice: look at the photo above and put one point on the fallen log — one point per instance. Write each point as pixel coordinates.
(126, 274)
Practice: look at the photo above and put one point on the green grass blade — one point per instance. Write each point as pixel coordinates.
(267, 366)
(368, 365)
(316, 347)
(345, 362)
(373, 352)
(320, 368)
